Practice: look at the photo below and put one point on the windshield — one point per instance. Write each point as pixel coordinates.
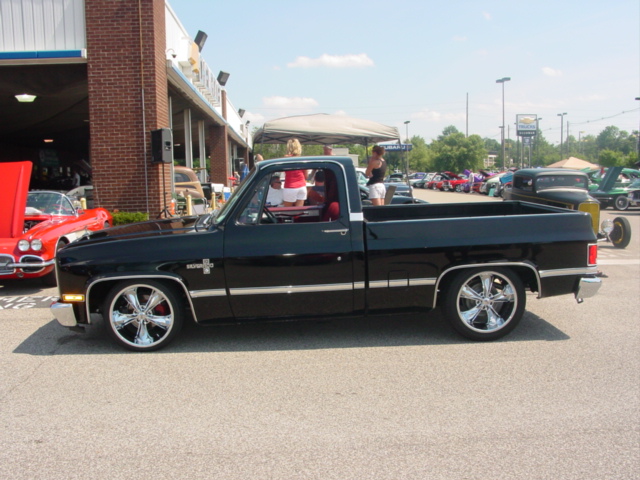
(561, 181)
(235, 195)
(49, 203)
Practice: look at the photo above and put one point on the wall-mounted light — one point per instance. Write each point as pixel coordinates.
(48, 140)
(25, 98)
(171, 52)
(200, 40)
(222, 78)
(241, 112)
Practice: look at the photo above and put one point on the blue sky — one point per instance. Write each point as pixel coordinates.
(417, 60)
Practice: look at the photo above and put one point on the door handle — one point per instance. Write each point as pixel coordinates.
(341, 231)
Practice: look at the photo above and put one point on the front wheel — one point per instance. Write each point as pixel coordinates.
(620, 236)
(142, 315)
(621, 202)
(485, 303)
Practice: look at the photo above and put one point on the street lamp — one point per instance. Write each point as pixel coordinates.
(406, 152)
(561, 115)
(638, 98)
(502, 81)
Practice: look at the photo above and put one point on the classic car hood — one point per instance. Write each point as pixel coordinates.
(13, 197)
(609, 179)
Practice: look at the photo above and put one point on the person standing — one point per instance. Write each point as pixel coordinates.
(471, 179)
(294, 192)
(376, 171)
(327, 150)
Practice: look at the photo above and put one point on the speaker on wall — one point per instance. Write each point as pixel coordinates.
(161, 146)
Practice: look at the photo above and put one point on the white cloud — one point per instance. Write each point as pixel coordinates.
(333, 61)
(289, 102)
(433, 116)
(459, 38)
(486, 15)
(551, 72)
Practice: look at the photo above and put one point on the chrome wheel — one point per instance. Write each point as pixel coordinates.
(142, 316)
(485, 304)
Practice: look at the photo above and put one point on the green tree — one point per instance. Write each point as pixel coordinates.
(420, 156)
(611, 158)
(455, 152)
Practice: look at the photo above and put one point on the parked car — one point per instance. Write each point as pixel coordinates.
(611, 191)
(422, 182)
(454, 182)
(187, 183)
(36, 224)
(565, 188)
(250, 261)
(416, 177)
(634, 193)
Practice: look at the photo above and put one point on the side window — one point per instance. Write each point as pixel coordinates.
(523, 183)
(268, 203)
(251, 212)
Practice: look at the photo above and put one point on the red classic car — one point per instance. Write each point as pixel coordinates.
(34, 225)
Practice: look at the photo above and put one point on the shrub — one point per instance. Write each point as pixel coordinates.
(122, 218)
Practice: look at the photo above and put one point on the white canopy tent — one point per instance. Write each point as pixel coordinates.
(324, 129)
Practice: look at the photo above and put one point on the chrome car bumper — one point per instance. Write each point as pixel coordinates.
(587, 288)
(64, 314)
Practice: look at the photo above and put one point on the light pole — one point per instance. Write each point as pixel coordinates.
(580, 140)
(502, 81)
(406, 152)
(538, 139)
(561, 115)
(638, 98)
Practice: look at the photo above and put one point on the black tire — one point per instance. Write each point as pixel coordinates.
(49, 279)
(620, 236)
(621, 203)
(458, 188)
(485, 303)
(142, 315)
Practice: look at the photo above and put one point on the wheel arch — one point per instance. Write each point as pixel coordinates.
(526, 271)
(99, 288)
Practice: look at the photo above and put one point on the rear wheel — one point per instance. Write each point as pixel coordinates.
(621, 234)
(485, 303)
(621, 202)
(142, 315)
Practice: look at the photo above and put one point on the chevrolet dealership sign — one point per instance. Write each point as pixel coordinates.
(526, 125)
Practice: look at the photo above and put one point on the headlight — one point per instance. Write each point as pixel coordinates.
(35, 245)
(607, 226)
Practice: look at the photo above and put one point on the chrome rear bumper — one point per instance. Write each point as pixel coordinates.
(587, 288)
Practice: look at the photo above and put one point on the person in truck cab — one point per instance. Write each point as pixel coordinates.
(295, 181)
(274, 196)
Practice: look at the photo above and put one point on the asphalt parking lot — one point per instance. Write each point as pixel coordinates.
(388, 398)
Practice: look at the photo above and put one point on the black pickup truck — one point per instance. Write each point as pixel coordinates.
(253, 262)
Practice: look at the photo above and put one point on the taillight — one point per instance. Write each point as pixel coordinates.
(593, 254)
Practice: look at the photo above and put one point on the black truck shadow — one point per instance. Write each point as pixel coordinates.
(388, 331)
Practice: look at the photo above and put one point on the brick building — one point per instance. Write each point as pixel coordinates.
(105, 74)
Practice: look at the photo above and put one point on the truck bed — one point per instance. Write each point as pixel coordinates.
(455, 210)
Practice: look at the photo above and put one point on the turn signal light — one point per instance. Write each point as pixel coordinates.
(72, 297)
